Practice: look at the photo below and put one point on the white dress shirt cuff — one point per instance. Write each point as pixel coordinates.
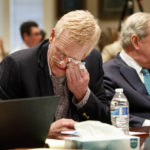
(83, 101)
(146, 123)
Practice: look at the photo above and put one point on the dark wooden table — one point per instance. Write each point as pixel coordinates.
(142, 136)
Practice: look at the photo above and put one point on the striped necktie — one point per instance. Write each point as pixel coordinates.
(146, 75)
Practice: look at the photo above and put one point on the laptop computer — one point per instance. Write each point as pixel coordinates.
(26, 122)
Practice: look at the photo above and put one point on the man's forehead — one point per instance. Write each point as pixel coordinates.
(69, 47)
(35, 29)
(73, 50)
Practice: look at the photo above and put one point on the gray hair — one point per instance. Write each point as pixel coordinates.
(82, 26)
(135, 24)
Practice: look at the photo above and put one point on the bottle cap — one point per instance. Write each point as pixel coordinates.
(119, 90)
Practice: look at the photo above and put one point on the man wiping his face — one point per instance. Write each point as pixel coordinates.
(65, 65)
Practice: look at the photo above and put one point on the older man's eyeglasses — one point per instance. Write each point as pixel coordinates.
(62, 59)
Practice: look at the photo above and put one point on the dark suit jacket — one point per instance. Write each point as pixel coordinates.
(25, 74)
(117, 74)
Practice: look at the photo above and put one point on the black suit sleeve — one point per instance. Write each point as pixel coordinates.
(97, 107)
(136, 121)
(9, 79)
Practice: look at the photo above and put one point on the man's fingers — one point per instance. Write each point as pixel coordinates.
(61, 125)
(73, 71)
(83, 72)
(68, 123)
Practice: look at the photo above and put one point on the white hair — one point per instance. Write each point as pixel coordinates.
(82, 26)
(135, 24)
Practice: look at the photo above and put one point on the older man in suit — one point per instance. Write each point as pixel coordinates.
(56, 67)
(127, 70)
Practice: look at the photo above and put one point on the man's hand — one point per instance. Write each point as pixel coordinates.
(77, 80)
(60, 125)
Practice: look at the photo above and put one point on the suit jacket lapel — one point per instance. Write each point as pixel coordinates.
(45, 83)
(131, 76)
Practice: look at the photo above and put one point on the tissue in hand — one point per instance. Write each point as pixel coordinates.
(95, 135)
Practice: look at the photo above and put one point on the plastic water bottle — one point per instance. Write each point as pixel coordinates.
(120, 111)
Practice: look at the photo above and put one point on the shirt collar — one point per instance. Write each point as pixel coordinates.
(130, 61)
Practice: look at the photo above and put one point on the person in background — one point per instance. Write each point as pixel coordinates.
(108, 36)
(3, 53)
(31, 35)
(43, 35)
(111, 44)
(130, 68)
(61, 65)
(111, 50)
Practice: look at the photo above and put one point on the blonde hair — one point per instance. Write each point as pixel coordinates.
(135, 24)
(82, 26)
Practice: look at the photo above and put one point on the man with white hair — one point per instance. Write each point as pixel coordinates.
(130, 69)
(64, 65)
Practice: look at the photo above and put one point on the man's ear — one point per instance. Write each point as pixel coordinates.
(52, 35)
(135, 40)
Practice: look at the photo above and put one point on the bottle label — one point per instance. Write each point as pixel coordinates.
(120, 111)
(125, 111)
(115, 112)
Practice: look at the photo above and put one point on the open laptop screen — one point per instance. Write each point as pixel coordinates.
(26, 122)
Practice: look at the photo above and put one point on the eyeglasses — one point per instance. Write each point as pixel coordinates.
(61, 62)
(58, 60)
(62, 59)
(59, 57)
